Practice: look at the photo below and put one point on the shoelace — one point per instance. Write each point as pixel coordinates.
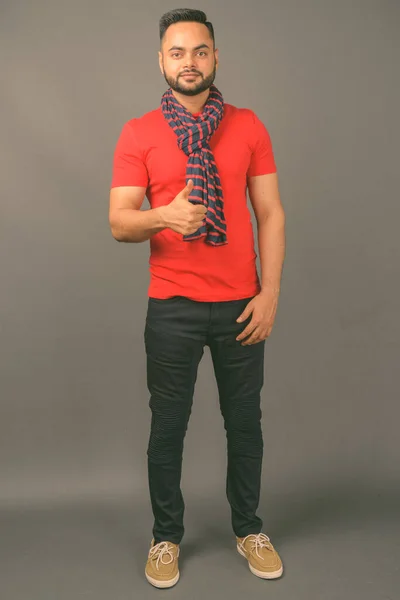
(260, 541)
(163, 549)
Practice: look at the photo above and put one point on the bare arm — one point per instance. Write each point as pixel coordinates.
(270, 216)
(128, 223)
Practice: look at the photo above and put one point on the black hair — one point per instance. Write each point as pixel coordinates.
(185, 14)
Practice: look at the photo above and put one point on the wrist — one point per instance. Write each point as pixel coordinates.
(269, 287)
(162, 214)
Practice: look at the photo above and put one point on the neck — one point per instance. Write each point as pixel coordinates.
(194, 104)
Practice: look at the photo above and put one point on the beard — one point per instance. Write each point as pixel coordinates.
(191, 89)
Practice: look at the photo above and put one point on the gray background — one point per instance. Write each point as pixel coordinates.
(75, 519)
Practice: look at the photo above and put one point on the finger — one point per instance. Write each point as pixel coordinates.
(247, 331)
(198, 219)
(258, 336)
(255, 338)
(200, 209)
(251, 342)
(245, 315)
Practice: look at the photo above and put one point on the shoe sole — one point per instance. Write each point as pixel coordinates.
(163, 584)
(262, 574)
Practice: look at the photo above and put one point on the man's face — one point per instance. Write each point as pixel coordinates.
(187, 48)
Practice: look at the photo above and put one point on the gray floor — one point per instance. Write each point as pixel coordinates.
(335, 544)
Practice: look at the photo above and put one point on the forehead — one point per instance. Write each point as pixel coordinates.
(186, 35)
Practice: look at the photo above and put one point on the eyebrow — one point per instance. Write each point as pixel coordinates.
(196, 48)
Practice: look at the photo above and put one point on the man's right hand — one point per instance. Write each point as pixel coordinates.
(182, 216)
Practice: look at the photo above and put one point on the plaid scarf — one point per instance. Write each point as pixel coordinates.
(193, 138)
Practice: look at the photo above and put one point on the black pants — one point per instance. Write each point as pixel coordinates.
(177, 329)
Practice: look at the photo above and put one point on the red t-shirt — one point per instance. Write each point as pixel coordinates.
(147, 155)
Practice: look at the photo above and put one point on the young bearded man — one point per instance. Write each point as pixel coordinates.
(194, 157)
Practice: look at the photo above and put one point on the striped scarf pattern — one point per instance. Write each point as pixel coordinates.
(193, 136)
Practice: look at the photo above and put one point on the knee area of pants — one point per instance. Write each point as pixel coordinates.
(163, 451)
(240, 438)
(170, 405)
(243, 420)
(168, 429)
(166, 435)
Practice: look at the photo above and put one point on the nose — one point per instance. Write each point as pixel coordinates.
(189, 64)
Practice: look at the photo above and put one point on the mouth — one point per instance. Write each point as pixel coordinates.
(189, 75)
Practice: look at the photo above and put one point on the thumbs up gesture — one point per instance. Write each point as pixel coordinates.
(181, 215)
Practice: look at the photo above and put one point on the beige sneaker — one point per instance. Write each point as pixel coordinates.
(162, 564)
(264, 561)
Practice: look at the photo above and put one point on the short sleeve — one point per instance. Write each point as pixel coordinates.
(262, 158)
(128, 164)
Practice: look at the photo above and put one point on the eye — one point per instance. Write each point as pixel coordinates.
(202, 52)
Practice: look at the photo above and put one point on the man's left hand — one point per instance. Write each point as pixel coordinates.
(263, 307)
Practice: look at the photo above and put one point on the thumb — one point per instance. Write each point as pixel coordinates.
(186, 191)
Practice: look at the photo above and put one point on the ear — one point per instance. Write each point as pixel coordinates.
(216, 58)
(160, 62)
